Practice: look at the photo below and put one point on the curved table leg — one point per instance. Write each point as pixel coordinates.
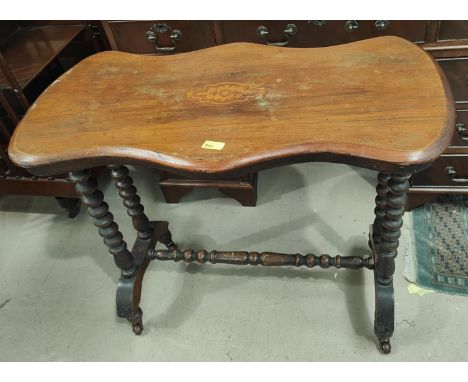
(128, 295)
(128, 298)
(390, 201)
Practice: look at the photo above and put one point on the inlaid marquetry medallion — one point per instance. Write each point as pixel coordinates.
(226, 93)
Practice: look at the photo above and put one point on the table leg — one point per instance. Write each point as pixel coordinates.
(390, 201)
(380, 204)
(98, 209)
(131, 200)
(132, 263)
(148, 233)
(86, 187)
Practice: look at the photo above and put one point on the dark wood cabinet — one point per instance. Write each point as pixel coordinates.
(447, 171)
(242, 188)
(447, 42)
(32, 55)
(460, 138)
(316, 33)
(456, 71)
(159, 36)
(452, 30)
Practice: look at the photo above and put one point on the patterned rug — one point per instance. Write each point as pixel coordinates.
(435, 245)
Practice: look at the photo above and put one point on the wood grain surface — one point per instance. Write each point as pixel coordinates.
(29, 50)
(381, 103)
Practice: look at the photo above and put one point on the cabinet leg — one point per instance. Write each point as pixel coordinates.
(174, 194)
(246, 197)
(71, 205)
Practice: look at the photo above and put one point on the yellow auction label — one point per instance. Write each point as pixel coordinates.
(212, 145)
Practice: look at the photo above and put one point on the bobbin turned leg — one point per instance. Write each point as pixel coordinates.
(385, 235)
(86, 187)
(380, 204)
(131, 200)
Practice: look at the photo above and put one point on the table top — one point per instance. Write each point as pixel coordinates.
(381, 103)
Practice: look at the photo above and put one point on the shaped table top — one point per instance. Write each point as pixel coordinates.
(381, 103)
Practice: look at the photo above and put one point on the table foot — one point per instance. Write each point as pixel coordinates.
(128, 298)
(129, 289)
(137, 322)
(385, 345)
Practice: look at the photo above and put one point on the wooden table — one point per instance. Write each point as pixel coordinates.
(382, 104)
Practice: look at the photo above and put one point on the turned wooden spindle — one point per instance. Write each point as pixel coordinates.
(86, 187)
(380, 203)
(263, 258)
(392, 222)
(131, 200)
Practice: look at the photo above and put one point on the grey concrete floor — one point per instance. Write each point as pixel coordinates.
(57, 281)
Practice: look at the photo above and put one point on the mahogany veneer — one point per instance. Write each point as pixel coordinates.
(365, 102)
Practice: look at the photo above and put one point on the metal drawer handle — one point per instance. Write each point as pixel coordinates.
(351, 25)
(157, 29)
(453, 174)
(317, 23)
(381, 25)
(289, 31)
(461, 130)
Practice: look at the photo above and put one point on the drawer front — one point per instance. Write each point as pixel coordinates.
(452, 30)
(460, 137)
(320, 33)
(161, 37)
(456, 70)
(447, 171)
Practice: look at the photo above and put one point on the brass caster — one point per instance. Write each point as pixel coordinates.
(385, 346)
(137, 328)
(137, 322)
